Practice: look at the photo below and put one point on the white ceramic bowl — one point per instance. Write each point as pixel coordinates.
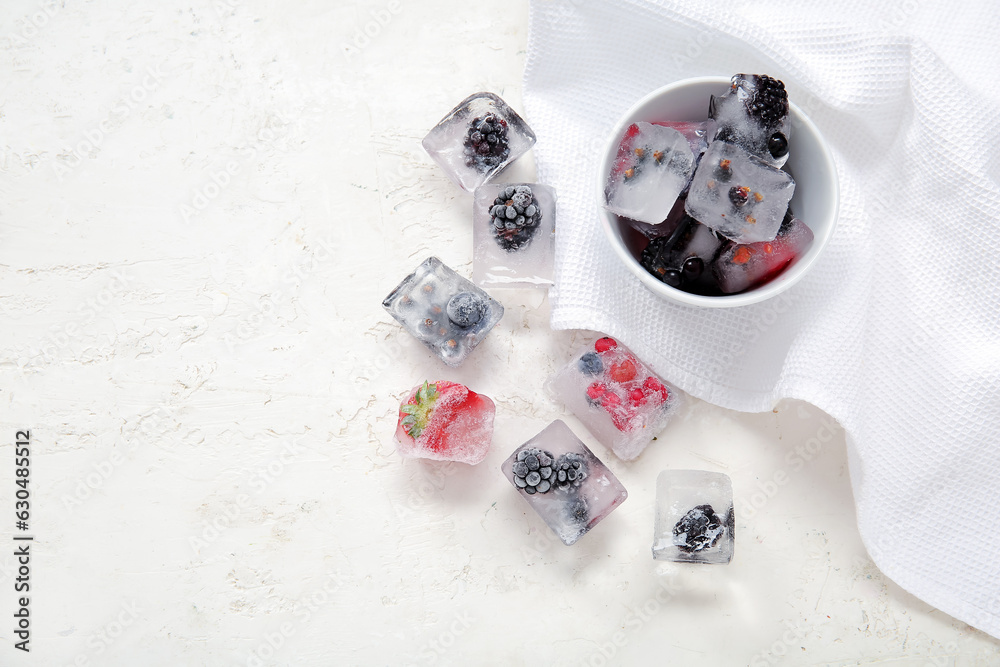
(815, 202)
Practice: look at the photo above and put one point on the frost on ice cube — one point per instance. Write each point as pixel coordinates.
(685, 258)
(694, 520)
(737, 195)
(754, 115)
(477, 139)
(445, 421)
(616, 397)
(443, 310)
(653, 166)
(513, 235)
(562, 480)
(741, 267)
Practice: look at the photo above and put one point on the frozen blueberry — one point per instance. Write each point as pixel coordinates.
(466, 309)
(590, 364)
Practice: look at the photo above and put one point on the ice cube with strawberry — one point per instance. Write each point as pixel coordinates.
(445, 421)
(617, 397)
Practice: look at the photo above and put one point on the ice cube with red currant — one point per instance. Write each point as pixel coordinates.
(742, 266)
(445, 421)
(738, 195)
(443, 310)
(564, 482)
(616, 396)
(513, 235)
(652, 167)
(477, 139)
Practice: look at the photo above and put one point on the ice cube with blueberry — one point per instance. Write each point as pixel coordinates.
(737, 195)
(477, 139)
(652, 167)
(694, 520)
(685, 258)
(443, 310)
(513, 235)
(563, 481)
(753, 114)
(617, 397)
(742, 266)
(445, 421)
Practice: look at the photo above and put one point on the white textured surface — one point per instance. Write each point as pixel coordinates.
(894, 331)
(212, 399)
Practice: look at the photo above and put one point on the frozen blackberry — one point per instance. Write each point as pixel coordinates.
(590, 364)
(767, 101)
(465, 309)
(569, 472)
(699, 529)
(533, 470)
(486, 143)
(515, 215)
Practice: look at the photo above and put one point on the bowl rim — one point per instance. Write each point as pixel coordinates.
(788, 277)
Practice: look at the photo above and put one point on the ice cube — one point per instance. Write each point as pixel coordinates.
(477, 139)
(694, 517)
(754, 115)
(697, 133)
(737, 195)
(741, 267)
(616, 397)
(445, 421)
(513, 235)
(653, 166)
(443, 310)
(685, 258)
(562, 480)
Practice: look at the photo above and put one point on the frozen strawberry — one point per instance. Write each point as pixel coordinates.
(445, 421)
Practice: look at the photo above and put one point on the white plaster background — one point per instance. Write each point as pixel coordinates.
(202, 206)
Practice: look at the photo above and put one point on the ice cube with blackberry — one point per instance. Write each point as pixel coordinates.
(753, 114)
(652, 167)
(563, 481)
(616, 396)
(513, 235)
(694, 519)
(443, 310)
(738, 195)
(477, 139)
